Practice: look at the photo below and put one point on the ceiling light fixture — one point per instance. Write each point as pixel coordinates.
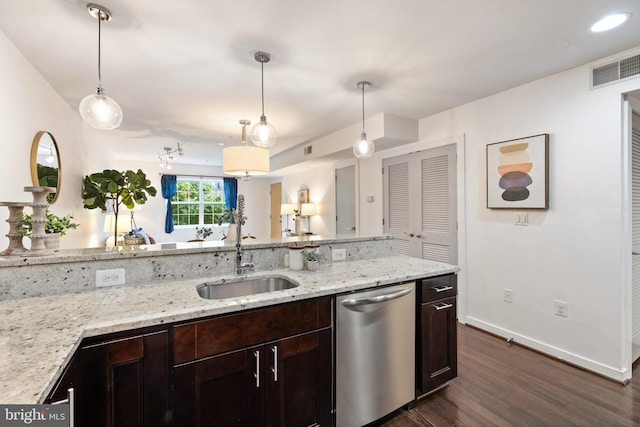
(50, 158)
(98, 110)
(168, 155)
(610, 22)
(263, 134)
(245, 160)
(363, 148)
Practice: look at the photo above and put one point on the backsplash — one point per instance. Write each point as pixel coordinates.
(75, 270)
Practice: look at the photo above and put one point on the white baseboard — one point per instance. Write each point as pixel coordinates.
(618, 375)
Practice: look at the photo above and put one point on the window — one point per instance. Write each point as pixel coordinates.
(198, 201)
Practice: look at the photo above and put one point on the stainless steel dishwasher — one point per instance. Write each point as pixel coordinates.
(375, 353)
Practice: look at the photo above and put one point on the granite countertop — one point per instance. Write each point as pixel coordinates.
(39, 335)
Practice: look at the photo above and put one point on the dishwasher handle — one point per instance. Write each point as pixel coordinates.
(377, 299)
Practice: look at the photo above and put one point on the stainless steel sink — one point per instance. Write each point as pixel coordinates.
(243, 287)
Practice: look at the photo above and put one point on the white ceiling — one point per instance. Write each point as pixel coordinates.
(184, 71)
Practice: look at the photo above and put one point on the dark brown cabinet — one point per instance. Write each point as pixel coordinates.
(267, 367)
(436, 329)
(120, 381)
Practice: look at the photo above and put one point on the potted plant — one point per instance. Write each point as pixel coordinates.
(115, 188)
(203, 233)
(312, 256)
(55, 227)
(231, 217)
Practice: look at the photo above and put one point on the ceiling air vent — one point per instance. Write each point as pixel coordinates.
(308, 149)
(619, 70)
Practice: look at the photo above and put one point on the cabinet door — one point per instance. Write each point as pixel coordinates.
(438, 359)
(222, 391)
(124, 382)
(298, 380)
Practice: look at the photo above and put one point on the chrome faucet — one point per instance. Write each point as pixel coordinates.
(241, 267)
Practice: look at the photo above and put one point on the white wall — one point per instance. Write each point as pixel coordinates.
(574, 251)
(29, 104)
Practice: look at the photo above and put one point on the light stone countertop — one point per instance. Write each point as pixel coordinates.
(39, 335)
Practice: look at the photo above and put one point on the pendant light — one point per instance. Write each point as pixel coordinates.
(245, 160)
(363, 148)
(98, 110)
(263, 134)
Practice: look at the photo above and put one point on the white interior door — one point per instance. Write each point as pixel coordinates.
(438, 236)
(346, 200)
(396, 196)
(635, 234)
(420, 203)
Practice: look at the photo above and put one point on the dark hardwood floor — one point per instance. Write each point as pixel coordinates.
(502, 384)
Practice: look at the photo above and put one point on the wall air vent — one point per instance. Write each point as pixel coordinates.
(619, 70)
(308, 149)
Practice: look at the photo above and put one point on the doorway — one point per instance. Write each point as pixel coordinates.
(346, 200)
(275, 217)
(420, 208)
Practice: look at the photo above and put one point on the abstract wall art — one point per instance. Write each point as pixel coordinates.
(518, 173)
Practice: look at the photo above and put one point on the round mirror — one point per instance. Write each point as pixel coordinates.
(46, 168)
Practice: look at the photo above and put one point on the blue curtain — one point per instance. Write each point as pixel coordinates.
(231, 192)
(169, 189)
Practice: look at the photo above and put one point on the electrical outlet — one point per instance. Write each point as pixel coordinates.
(508, 295)
(110, 277)
(338, 254)
(561, 308)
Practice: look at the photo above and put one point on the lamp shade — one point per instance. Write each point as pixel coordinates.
(245, 160)
(288, 208)
(308, 209)
(124, 224)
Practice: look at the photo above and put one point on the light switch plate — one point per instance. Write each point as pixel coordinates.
(521, 218)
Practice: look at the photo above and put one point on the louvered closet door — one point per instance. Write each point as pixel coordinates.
(396, 202)
(420, 203)
(635, 236)
(438, 228)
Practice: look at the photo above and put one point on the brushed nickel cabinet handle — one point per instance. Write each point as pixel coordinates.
(274, 350)
(442, 306)
(257, 373)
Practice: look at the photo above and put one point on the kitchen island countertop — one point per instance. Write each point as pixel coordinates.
(39, 335)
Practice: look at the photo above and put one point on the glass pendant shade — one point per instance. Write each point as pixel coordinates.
(98, 110)
(363, 148)
(101, 112)
(263, 134)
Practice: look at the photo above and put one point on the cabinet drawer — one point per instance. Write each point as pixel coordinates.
(209, 337)
(435, 288)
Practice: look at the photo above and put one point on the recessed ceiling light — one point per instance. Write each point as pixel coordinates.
(610, 22)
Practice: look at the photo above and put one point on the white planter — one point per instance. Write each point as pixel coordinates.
(312, 265)
(52, 241)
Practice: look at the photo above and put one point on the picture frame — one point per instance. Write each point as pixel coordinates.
(518, 173)
(303, 196)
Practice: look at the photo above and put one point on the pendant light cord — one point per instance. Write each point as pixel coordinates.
(99, 43)
(262, 82)
(362, 107)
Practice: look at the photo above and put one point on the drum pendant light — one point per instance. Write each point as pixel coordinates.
(98, 110)
(363, 148)
(263, 134)
(245, 160)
